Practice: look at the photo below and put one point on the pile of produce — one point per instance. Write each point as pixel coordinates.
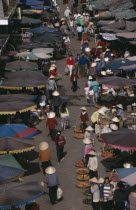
(78, 130)
(79, 164)
(79, 136)
(82, 184)
(106, 154)
(83, 177)
(82, 171)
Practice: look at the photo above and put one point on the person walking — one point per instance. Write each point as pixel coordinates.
(64, 114)
(120, 196)
(51, 86)
(60, 142)
(70, 64)
(74, 77)
(71, 25)
(88, 146)
(83, 118)
(105, 190)
(92, 164)
(42, 103)
(87, 133)
(56, 101)
(52, 182)
(44, 155)
(67, 13)
(96, 193)
(79, 31)
(95, 88)
(51, 123)
(82, 62)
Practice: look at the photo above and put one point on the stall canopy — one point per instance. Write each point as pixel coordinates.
(43, 50)
(109, 36)
(19, 194)
(117, 64)
(16, 103)
(47, 38)
(30, 21)
(15, 145)
(24, 79)
(127, 175)
(116, 82)
(41, 7)
(31, 2)
(129, 68)
(32, 45)
(41, 30)
(17, 131)
(32, 12)
(127, 35)
(123, 139)
(10, 169)
(21, 65)
(33, 56)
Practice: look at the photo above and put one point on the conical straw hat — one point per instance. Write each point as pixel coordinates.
(50, 170)
(87, 141)
(94, 180)
(55, 93)
(101, 180)
(51, 115)
(113, 127)
(43, 146)
(89, 128)
(115, 119)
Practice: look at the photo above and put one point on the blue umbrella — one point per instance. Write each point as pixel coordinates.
(17, 131)
(127, 175)
(31, 2)
(10, 169)
(116, 64)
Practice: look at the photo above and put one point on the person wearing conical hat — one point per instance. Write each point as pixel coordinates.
(96, 193)
(52, 182)
(60, 142)
(51, 123)
(42, 103)
(87, 133)
(92, 164)
(44, 155)
(56, 101)
(120, 112)
(88, 146)
(84, 118)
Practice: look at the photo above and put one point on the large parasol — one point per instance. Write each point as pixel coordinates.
(24, 79)
(33, 56)
(17, 131)
(11, 104)
(116, 82)
(15, 145)
(10, 169)
(43, 50)
(127, 175)
(21, 65)
(123, 139)
(19, 194)
(42, 29)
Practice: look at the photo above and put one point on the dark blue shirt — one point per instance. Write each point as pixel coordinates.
(83, 60)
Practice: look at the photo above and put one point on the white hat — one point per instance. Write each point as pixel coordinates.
(89, 128)
(106, 59)
(51, 115)
(51, 77)
(83, 108)
(57, 24)
(100, 111)
(113, 110)
(55, 93)
(119, 106)
(87, 49)
(97, 59)
(101, 180)
(108, 71)
(84, 14)
(62, 19)
(103, 73)
(93, 64)
(53, 65)
(43, 146)
(50, 170)
(107, 50)
(99, 47)
(94, 180)
(115, 119)
(91, 23)
(91, 153)
(51, 68)
(87, 141)
(127, 165)
(78, 15)
(113, 127)
(126, 54)
(90, 77)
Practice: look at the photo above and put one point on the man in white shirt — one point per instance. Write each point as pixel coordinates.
(67, 13)
(79, 30)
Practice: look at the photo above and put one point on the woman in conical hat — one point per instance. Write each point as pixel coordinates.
(88, 146)
(51, 123)
(84, 118)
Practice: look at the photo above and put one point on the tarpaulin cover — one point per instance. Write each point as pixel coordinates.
(129, 68)
(31, 12)
(17, 131)
(116, 82)
(19, 194)
(43, 50)
(109, 36)
(16, 103)
(127, 175)
(47, 38)
(127, 35)
(24, 79)
(21, 65)
(41, 7)
(15, 145)
(33, 56)
(33, 21)
(124, 139)
(10, 169)
(41, 29)
(31, 2)
(116, 64)
(32, 45)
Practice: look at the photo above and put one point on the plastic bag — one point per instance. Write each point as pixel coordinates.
(66, 70)
(59, 193)
(97, 129)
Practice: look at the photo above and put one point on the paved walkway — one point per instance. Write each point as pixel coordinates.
(66, 170)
